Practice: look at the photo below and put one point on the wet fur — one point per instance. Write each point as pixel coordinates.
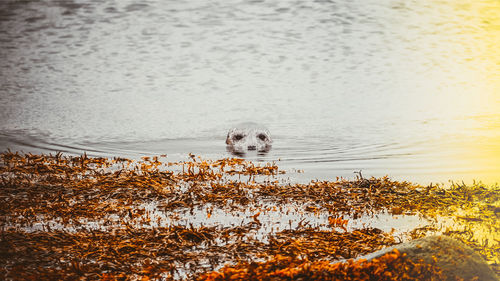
(248, 136)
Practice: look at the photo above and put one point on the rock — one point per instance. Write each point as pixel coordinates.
(453, 257)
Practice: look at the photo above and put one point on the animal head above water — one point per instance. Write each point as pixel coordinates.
(248, 136)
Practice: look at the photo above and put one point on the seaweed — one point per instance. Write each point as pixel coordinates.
(66, 217)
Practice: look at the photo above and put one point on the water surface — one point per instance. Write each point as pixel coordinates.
(409, 89)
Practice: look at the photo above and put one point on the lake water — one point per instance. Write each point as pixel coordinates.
(409, 89)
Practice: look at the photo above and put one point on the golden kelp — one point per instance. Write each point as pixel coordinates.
(391, 266)
(68, 217)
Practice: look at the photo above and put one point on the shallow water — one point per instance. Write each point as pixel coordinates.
(409, 89)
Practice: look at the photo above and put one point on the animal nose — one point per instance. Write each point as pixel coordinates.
(252, 147)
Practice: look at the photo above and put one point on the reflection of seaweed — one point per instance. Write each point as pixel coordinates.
(64, 217)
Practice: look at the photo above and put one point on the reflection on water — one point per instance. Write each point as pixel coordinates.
(405, 88)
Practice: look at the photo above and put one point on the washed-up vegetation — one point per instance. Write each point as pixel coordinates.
(392, 266)
(66, 217)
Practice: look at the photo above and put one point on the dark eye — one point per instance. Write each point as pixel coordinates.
(238, 137)
(262, 137)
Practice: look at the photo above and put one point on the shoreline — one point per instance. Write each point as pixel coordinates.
(95, 217)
